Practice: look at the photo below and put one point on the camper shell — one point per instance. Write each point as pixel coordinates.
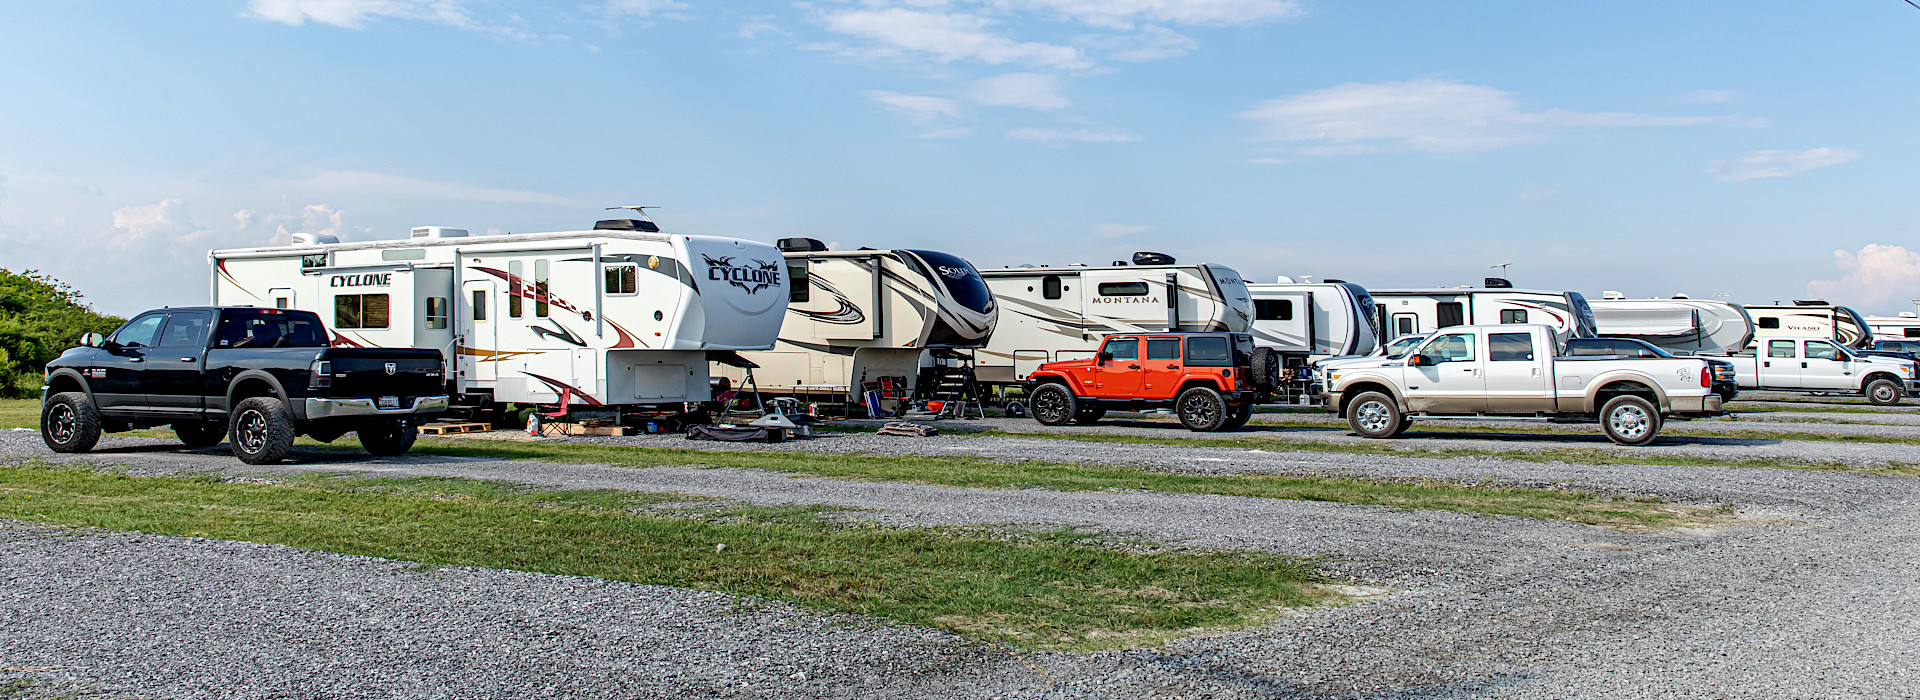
(1306, 322)
(856, 316)
(1408, 311)
(1678, 325)
(1052, 314)
(621, 316)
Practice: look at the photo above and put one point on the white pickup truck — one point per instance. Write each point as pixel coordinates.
(1516, 371)
(1817, 364)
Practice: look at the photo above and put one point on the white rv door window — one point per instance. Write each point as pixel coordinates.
(282, 297)
(541, 285)
(479, 305)
(436, 313)
(623, 280)
(355, 311)
(1405, 324)
(515, 292)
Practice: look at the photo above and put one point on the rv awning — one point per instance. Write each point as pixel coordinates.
(1672, 321)
(731, 359)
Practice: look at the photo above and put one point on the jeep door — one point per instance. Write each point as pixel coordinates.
(1781, 366)
(1517, 376)
(121, 366)
(1161, 371)
(175, 375)
(1825, 366)
(1455, 382)
(1118, 373)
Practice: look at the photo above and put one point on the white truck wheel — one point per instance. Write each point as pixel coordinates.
(1375, 415)
(1630, 420)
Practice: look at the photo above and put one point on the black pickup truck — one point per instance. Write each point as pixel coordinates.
(260, 377)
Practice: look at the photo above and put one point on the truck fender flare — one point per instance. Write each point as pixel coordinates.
(1878, 373)
(69, 373)
(1663, 403)
(279, 391)
(1366, 377)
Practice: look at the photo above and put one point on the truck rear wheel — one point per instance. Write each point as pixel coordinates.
(387, 437)
(1201, 409)
(1630, 420)
(70, 422)
(1884, 392)
(198, 434)
(1052, 404)
(1266, 369)
(1375, 415)
(262, 430)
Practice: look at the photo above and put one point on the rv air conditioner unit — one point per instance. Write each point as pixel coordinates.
(800, 245)
(1331, 280)
(626, 225)
(1147, 258)
(1498, 283)
(438, 232)
(314, 238)
(1118, 263)
(1809, 302)
(1612, 295)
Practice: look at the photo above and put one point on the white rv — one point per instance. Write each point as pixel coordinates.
(1409, 311)
(1811, 318)
(1905, 327)
(1308, 322)
(1062, 313)
(858, 315)
(1679, 325)
(619, 316)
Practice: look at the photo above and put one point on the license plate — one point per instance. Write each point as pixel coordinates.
(389, 402)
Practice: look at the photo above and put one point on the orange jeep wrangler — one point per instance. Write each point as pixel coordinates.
(1211, 380)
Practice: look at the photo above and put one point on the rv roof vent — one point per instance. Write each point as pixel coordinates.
(1612, 295)
(1809, 302)
(1283, 279)
(1147, 258)
(314, 238)
(1682, 295)
(799, 245)
(1909, 314)
(1028, 266)
(438, 232)
(626, 225)
(1119, 263)
(1076, 264)
(1498, 283)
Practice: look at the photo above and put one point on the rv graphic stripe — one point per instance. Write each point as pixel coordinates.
(518, 287)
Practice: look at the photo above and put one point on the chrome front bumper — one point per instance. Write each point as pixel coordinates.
(349, 408)
(1913, 387)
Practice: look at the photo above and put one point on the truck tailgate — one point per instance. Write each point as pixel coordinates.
(362, 372)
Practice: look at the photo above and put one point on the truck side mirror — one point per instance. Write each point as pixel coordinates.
(1423, 361)
(93, 340)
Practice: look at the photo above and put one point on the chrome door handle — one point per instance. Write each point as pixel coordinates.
(136, 359)
(186, 359)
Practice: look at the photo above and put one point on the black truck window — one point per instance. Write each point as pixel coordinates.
(270, 328)
(142, 332)
(187, 329)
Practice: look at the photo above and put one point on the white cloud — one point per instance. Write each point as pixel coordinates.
(919, 108)
(758, 26)
(1432, 116)
(349, 182)
(1710, 96)
(1151, 43)
(1074, 135)
(1759, 164)
(352, 13)
(1120, 230)
(945, 37)
(640, 8)
(144, 224)
(1122, 14)
(951, 132)
(1024, 90)
(1878, 274)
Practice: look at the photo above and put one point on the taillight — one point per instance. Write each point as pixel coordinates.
(1706, 376)
(320, 375)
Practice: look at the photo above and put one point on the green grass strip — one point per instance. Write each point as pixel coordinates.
(1050, 591)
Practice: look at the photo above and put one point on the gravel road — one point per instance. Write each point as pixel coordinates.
(1809, 596)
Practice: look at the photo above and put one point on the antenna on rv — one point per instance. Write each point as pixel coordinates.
(1502, 266)
(640, 210)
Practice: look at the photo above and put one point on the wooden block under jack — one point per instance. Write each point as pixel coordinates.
(454, 428)
(582, 429)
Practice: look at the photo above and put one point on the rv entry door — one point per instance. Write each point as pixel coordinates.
(479, 350)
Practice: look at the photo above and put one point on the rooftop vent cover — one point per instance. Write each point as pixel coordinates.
(626, 225)
(438, 232)
(314, 238)
(800, 245)
(1809, 302)
(1149, 258)
(1498, 283)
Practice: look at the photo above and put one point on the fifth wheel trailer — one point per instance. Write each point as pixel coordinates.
(1409, 311)
(1062, 313)
(1678, 325)
(1307, 322)
(1813, 317)
(619, 316)
(855, 316)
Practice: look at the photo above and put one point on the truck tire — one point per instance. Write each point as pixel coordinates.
(387, 437)
(1089, 413)
(1238, 416)
(1266, 370)
(1201, 409)
(198, 434)
(1883, 392)
(1630, 420)
(70, 422)
(261, 430)
(1375, 415)
(1052, 404)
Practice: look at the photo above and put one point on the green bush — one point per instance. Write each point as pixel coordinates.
(40, 317)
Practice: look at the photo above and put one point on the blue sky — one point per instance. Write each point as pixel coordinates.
(1758, 149)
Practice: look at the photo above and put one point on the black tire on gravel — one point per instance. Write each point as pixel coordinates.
(1884, 392)
(261, 430)
(1630, 420)
(1089, 413)
(70, 422)
(1053, 404)
(1201, 409)
(1237, 417)
(387, 437)
(198, 434)
(1266, 370)
(1375, 415)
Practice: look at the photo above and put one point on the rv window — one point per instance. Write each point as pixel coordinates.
(360, 311)
(1510, 347)
(1816, 350)
(313, 260)
(1273, 309)
(280, 302)
(1781, 348)
(1404, 325)
(1163, 348)
(404, 254)
(1123, 289)
(1513, 315)
(1911, 333)
(1767, 322)
(516, 292)
(436, 313)
(479, 304)
(623, 279)
(1124, 348)
(799, 289)
(542, 303)
(1208, 348)
(141, 332)
(1450, 313)
(1050, 287)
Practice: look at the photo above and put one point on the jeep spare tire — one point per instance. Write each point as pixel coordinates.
(1266, 370)
(1052, 404)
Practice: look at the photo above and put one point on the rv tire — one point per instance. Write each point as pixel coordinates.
(1375, 415)
(1201, 409)
(261, 430)
(1052, 404)
(1630, 420)
(198, 434)
(70, 422)
(1883, 392)
(1266, 370)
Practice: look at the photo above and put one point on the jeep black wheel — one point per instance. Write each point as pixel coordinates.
(1883, 392)
(261, 430)
(1052, 404)
(1201, 409)
(1375, 415)
(387, 437)
(70, 422)
(198, 434)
